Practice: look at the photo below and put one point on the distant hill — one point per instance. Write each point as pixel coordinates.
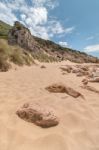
(20, 47)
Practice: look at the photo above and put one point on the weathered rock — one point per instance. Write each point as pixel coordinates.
(96, 79)
(83, 73)
(58, 88)
(96, 74)
(76, 70)
(43, 67)
(67, 68)
(92, 89)
(37, 114)
(85, 81)
(80, 72)
(84, 68)
(20, 35)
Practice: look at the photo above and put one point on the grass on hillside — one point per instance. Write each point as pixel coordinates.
(13, 54)
(4, 29)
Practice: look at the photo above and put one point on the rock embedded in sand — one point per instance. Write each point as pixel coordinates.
(67, 68)
(81, 72)
(43, 67)
(89, 88)
(37, 114)
(96, 79)
(59, 88)
(85, 81)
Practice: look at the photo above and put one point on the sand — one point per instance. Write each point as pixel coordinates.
(79, 119)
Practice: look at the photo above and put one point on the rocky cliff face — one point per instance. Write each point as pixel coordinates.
(21, 35)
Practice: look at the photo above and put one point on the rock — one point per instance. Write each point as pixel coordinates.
(37, 114)
(43, 67)
(76, 70)
(67, 68)
(96, 74)
(96, 79)
(89, 88)
(20, 35)
(83, 73)
(58, 88)
(84, 68)
(85, 81)
(81, 70)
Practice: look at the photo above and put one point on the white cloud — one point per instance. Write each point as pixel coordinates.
(35, 15)
(6, 14)
(92, 48)
(57, 28)
(23, 17)
(69, 30)
(64, 44)
(90, 38)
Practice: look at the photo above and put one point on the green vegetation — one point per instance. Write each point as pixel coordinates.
(44, 57)
(4, 29)
(13, 54)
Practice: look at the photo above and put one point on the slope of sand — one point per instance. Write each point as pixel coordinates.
(79, 119)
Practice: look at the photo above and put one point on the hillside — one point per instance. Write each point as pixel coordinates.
(4, 29)
(24, 47)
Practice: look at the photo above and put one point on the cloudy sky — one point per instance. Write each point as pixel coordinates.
(71, 23)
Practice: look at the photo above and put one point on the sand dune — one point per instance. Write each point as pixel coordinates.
(79, 119)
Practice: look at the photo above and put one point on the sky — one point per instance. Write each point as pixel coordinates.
(70, 23)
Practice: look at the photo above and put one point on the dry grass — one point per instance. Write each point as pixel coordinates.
(13, 54)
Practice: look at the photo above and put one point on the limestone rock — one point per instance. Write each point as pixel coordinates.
(43, 67)
(20, 35)
(37, 114)
(58, 88)
(96, 79)
(89, 88)
(67, 68)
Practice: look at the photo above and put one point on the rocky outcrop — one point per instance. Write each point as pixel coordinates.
(59, 88)
(21, 35)
(37, 114)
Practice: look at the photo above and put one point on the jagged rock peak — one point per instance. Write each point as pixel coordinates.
(20, 26)
(21, 35)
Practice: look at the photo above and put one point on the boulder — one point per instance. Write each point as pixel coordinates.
(37, 114)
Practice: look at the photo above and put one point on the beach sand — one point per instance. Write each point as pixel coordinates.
(78, 128)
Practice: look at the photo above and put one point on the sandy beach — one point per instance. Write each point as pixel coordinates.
(78, 128)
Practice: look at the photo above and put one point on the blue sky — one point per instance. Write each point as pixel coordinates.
(71, 23)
